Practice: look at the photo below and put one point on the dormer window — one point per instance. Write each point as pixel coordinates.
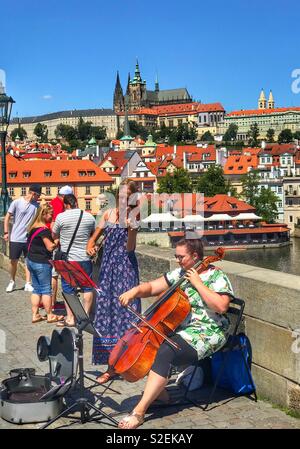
(91, 173)
(26, 174)
(240, 167)
(65, 173)
(82, 173)
(13, 174)
(48, 173)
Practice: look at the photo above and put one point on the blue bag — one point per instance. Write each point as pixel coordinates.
(235, 376)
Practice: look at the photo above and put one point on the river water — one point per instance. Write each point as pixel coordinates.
(286, 259)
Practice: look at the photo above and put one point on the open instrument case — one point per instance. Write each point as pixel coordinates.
(30, 398)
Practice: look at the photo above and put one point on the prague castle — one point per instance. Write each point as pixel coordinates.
(137, 96)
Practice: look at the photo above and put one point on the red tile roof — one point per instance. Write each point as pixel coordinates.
(262, 111)
(177, 109)
(239, 165)
(225, 204)
(36, 168)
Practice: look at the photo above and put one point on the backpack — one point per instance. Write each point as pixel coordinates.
(235, 376)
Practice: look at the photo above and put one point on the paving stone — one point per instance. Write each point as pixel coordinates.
(21, 339)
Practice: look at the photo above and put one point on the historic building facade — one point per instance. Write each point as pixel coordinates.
(99, 117)
(266, 116)
(137, 96)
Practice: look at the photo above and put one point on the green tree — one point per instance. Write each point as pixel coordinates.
(270, 135)
(21, 132)
(250, 188)
(207, 137)
(253, 135)
(99, 132)
(41, 131)
(65, 132)
(297, 135)
(84, 129)
(212, 182)
(285, 136)
(177, 182)
(74, 145)
(138, 130)
(231, 133)
(266, 205)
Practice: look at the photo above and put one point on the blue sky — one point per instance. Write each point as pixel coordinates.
(64, 54)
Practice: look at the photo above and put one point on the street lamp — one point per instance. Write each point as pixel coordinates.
(5, 112)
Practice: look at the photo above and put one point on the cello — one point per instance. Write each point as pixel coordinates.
(135, 352)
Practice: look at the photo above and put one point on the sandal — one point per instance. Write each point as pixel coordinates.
(105, 377)
(56, 319)
(133, 416)
(63, 323)
(38, 319)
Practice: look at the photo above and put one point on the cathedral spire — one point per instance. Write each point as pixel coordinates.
(156, 84)
(118, 96)
(128, 83)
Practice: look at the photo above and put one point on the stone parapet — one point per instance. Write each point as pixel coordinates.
(272, 320)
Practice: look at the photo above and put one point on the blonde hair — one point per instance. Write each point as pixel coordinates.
(40, 215)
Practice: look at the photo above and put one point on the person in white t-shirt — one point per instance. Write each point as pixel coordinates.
(22, 210)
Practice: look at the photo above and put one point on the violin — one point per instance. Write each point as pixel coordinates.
(135, 352)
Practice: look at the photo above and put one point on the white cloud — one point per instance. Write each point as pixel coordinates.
(47, 97)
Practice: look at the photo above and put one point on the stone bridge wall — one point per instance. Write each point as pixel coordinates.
(272, 318)
(272, 321)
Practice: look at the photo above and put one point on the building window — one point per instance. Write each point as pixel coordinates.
(91, 173)
(87, 205)
(82, 173)
(47, 174)
(11, 191)
(291, 218)
(171, 123)
(65, 173)
(13, 174)
(101, 189)
(26, 174)
(87, 190)
(48, 190)
(23, 191)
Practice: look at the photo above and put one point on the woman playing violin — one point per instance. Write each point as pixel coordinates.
(203, 332)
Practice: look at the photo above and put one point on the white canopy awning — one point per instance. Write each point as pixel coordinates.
(247, 216)
(164, 218)
(220, 217)
(193, 219)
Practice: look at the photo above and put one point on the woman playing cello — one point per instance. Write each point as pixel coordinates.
(203, 332)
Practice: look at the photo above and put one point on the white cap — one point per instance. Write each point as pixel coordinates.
(65, 190)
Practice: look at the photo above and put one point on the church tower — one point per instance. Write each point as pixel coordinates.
(118, 96)
(271, 102)
(156, 84)
(137, 90)
(262, 102)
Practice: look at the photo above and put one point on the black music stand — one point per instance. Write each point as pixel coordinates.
(73, 273)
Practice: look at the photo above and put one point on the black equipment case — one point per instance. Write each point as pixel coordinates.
(30, 398)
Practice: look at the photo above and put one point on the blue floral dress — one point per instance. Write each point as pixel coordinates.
(118, 273)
